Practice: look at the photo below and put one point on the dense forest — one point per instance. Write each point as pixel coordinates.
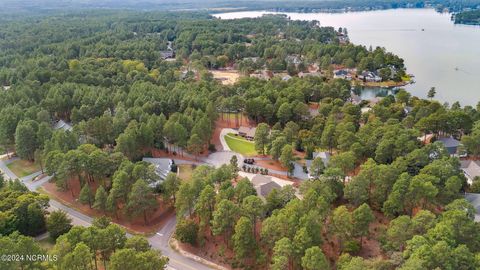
(105, 73)
(468, 17)
(47, 6)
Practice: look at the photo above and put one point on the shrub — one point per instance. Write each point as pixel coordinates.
(186, 231)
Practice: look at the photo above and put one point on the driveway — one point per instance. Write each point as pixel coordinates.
(6, 171)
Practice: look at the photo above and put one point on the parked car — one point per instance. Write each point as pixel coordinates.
(249, 161)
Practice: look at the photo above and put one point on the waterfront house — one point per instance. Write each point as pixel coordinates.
(340, 74)
(374, 101)
(369, 76)
(355, 99)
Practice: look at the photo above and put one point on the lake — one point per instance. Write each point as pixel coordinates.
(438, 52)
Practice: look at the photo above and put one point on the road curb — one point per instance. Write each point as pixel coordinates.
(176, 247)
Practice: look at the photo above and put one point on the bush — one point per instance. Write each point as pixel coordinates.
(352, 247)
(58, 223)
(186, 231)
(475, 187)
(212, 148)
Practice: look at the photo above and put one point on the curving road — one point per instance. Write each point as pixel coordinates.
(159, 241)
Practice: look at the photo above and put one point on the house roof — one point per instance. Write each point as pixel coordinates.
(325, 156)
(243, 129)
(449, 142)
(264, 185)
(470, 167)
(251, 132)
(340, 72)
(355, 98)
(62, 125)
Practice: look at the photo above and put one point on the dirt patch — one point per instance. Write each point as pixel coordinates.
(371, 247)
(214, 249)
(156, 219)
(226, 77)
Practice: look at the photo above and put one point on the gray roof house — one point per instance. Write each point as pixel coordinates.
(340, 74)
(450, 143)
(471, 169)
(325, 156)
(62, 125)
(264, 185)
(247, 132)
(167, 54)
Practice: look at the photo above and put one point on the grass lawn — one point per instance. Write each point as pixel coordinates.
(22, 168)
(240, 145)
(185, 171)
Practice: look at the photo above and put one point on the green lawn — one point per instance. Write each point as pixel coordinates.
(22, 168)
(240, 145)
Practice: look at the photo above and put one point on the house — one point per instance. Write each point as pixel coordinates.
(313, 68)
(293, 59)
(342, 38)
(264, 185)
(374, 101)
(450, 143)
(407, 109)
(6, 87)
(167, 54)
(286, 78)
(62, 125)
(253, 59)
(340, 74)
(369, 76)
(309, 74)
(325, 156)
(262, 75)
(427, 138)
(242, 131)
(344, 73)
(471, 169)
(355, 99)
(247, 132)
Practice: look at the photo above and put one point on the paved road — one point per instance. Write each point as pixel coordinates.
(6, 171)
(159, 241)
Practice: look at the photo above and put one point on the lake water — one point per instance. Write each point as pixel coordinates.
(443, 55)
